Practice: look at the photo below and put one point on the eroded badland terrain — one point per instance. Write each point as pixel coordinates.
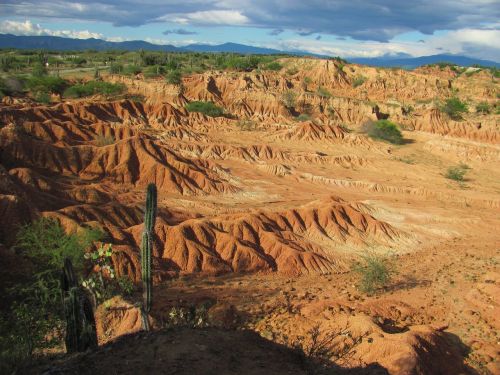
(264, 212)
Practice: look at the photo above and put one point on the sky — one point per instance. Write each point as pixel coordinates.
(346, 28)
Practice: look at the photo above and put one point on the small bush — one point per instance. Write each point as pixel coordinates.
(207, 108)
(454, 108)
(358, 81)
(153, 71)
(125, 285)
(345, 128)
(101, 140)
(456, 173)
(384, 130)
(483, 107)
(246, 124)
(132, 70)
(375, 272)
(275, 66)
(42, 97)
(289, 99)
(93, 88)
(303, 117)
(174, 77)
(46, 84)
(39, 70)
(324, 93)
(116, 69)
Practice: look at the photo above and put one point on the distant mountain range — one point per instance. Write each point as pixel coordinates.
(70, 44)
(415, 62)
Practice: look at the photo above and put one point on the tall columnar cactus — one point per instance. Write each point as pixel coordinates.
(80, 324)
(146, 248)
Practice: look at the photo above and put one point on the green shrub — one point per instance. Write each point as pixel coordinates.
(174, 77)
(125, 285)
(46, 84)
(483, 107)
(288, 98)
(34, 319)
(207, 108)
(324, 93)
(39, 70)
(456, 173)
(153, 71)
(375, 272)
(274, 66)
(303, 117)
(454, 108)
(42, 97)
(116, 69)
(384, 130)
(93, 88)
(345, 128)
(358, 81)
(132, 70)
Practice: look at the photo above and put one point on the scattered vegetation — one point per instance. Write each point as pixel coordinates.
(303, 117)
(246, 124)
(457, 173)
(207, 108)
(375, 272)
(174, 77)
(289, 99)
(275, 66)
(345, 128)
(358, 81)
(483, 107)
(454, 108)
(384, 130)
(93, 88)
(324, 93)
(46, 84)
(306, 82)
(43, 246)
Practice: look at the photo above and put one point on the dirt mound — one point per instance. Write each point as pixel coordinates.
(185, 351)
(293, 242)
(433, 121)
(310, 131)
(136, 160)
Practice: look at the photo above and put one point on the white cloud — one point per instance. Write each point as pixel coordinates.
(29, 28)
(209, 17)
(481, 43)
